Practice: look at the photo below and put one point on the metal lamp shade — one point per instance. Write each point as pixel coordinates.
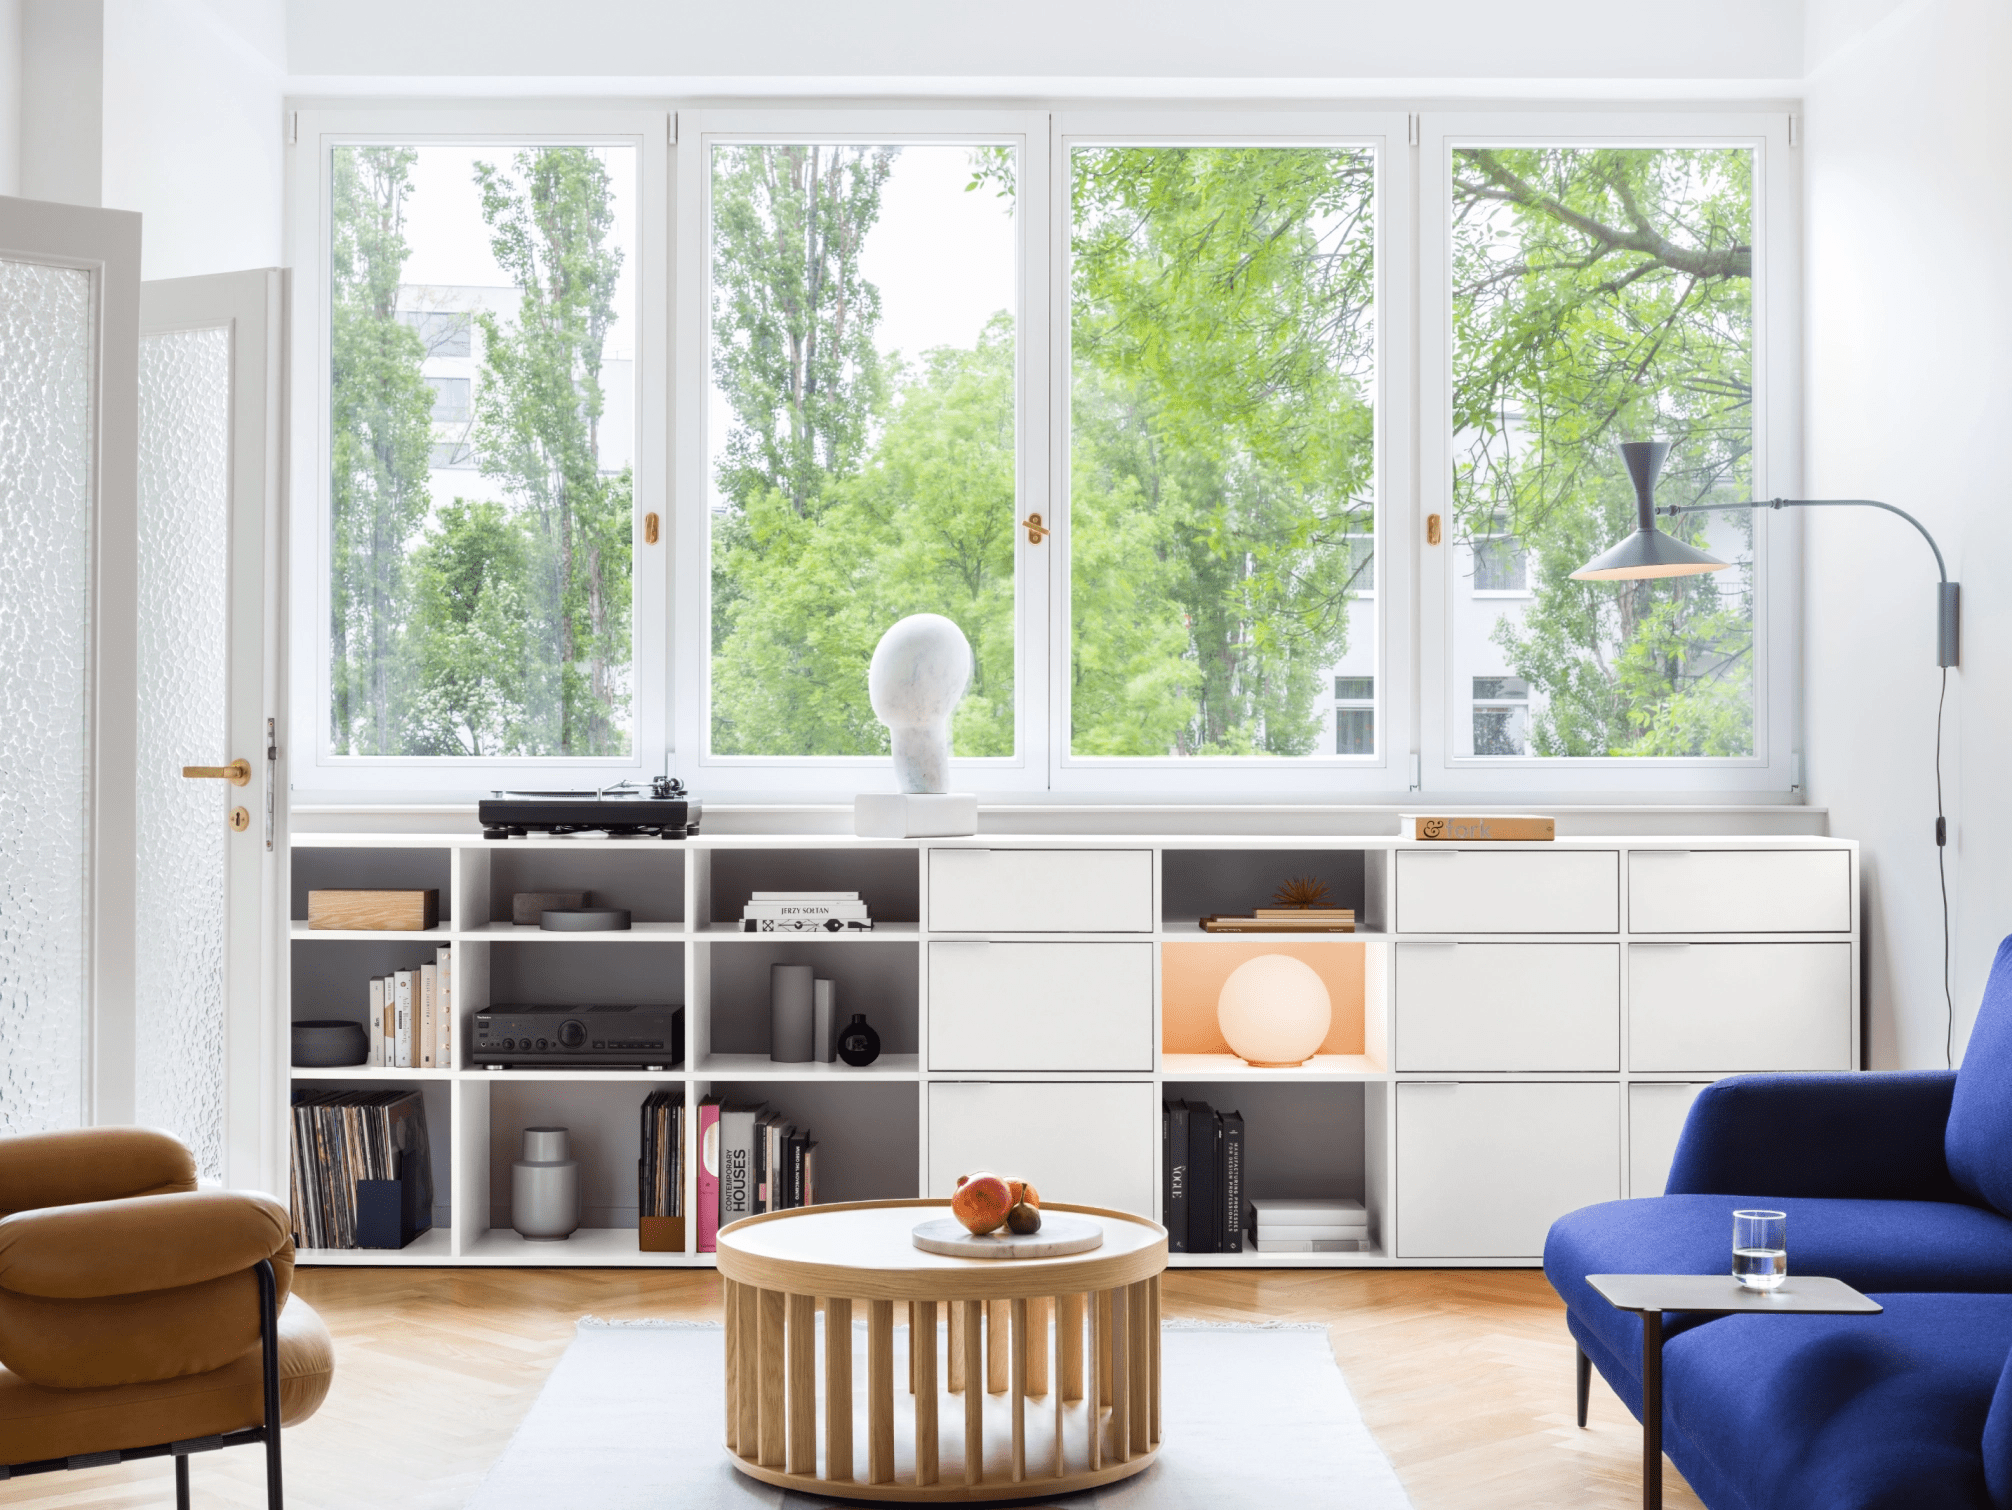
(1648, 552)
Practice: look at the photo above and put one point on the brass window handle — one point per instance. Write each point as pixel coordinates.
(237, 773)
(1036, 530)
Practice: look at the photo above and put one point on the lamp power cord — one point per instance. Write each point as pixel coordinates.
(1942, 875)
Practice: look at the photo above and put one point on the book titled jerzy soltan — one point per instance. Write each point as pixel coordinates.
(1467, 829)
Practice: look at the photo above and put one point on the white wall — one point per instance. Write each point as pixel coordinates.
(193, 130)
(705, 41)
(1909, 383)
(61, 128)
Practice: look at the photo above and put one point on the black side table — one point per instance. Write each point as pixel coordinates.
(1649, 1295)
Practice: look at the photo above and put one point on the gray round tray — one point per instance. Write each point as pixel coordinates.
(584, 919)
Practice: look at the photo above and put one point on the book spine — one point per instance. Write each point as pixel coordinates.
(1203, 1205)
(429, 1016)
(804, 910)
(798, 1146)
(737, 1155)
(376, 1021)
(402, 987)
(709, 1174)
(1233, 1182)
(806, 925)
(443, 1053)
(1177, 1178)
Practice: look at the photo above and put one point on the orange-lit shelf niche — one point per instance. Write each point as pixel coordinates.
(1191, 980)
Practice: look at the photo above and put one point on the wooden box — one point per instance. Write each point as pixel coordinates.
(389, 911)
(660, 1234)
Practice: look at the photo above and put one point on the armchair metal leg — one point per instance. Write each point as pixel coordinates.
(268, 1321)
(1585, 1383)
(181, 1481)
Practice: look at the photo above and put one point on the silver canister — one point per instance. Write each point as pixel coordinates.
(545, 1187)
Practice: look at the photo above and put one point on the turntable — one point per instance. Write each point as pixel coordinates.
(623, 811)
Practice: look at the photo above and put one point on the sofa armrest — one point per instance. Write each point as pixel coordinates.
(136, 1246)
(91, 1164)
(1865, 1137)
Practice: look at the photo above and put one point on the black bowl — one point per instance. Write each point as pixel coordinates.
(328, 1044)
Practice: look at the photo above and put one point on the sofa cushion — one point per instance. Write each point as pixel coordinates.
(1872, 1245)
(1841, 1412)
(1978, 1143)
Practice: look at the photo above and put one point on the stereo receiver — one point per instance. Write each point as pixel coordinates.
(538, 1037)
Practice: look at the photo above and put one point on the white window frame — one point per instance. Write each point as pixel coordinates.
(1776, 464)
(317, 771)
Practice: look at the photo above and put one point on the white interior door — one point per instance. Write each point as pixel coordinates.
(69, 310)
(210, 848)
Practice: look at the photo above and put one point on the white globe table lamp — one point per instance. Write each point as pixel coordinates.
(1274, 1011)
(919, 672)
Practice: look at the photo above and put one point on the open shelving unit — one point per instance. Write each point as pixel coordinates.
(1330, 1127)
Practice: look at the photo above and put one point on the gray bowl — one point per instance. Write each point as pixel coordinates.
(328, 1043)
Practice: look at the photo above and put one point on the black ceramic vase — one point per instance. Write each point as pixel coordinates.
(858, 1044)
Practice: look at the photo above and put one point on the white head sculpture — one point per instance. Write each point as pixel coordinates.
(920, 670)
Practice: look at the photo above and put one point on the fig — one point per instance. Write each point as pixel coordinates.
(1023, 1219)
(981, 1203)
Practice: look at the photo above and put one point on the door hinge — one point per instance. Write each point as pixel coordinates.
(271, 770)
(1794, 136)
(1416, 777)
(1411, 128)
(292, 128)
(674, 128)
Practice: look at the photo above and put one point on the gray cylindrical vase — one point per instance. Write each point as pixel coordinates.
(790, 1013)
(545, 1187)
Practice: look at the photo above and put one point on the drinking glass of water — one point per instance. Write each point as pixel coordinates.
(1760, 1248)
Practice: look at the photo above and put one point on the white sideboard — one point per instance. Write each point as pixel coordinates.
(1520, 1028)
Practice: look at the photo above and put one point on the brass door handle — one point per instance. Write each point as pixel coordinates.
(1036, 531)
(237, 773)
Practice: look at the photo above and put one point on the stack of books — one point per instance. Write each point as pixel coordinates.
(765, 1163)
(411, 1017)
(660, 1173)
(805, 912)
(1337, 1225)
(1202, 1161)
(340, 1137)
(1284, 920)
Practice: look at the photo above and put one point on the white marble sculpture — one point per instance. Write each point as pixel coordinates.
(920, 670)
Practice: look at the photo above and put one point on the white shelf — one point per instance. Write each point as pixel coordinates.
(1250, 1258)
(584, 1075)
(514, 933)
(732, 933)
(1173, 930)
(438, 935)
(433, 1246)
(368, 1072)
(1322, 1067)
(761, 1067)
(598, 1247)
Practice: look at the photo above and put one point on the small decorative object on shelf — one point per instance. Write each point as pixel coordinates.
(584, 920)
(545, 1187)
(374, 911)
(858, 1044)
(805, 912)
(1274, 1011)
(527, 906)
(791, 1014)
(326, 1043)
(824, 1020)
(1301, 892)
(918, 675)
(1476, 828)
(1340, 1225)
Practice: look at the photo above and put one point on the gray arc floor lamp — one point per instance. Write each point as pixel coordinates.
(1648, 552)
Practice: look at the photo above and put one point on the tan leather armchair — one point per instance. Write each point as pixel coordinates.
(141, 1317)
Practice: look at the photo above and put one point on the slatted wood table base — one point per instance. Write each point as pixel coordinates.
(962, 1397)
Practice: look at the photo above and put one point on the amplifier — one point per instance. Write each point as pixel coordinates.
(533, 1037)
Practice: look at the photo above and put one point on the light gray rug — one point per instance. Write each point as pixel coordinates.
(1258, 1417)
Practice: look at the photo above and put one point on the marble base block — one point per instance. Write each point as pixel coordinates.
(914, 815)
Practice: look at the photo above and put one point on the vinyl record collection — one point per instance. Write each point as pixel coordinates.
(340, 1137)
(661, 1170)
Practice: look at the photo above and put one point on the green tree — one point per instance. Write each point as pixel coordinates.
(380, 432)
(1603, 295)
(537, 416)
(472, 631)
(1222, 423)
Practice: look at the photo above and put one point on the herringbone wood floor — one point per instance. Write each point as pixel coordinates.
(1465, 1377)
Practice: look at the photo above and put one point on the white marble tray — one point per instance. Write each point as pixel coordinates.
(1061, 1234)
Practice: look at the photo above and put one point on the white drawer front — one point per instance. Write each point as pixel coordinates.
(1484, 1169)
(1511, 891)
(1041, 890)
(1084, 1143)
(1509, 1006)
(1040, 1006)
(1656, 1113)
(1739, 891)
(1739, 1007)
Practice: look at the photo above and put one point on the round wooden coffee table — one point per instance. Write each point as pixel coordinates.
(793, 1418)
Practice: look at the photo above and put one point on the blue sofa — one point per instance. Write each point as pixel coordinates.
(1898, 1184)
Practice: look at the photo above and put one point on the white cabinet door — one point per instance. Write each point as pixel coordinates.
(1084, 1143)
(1508, 891)
(1656, 1112)
(1041, 890)
(1483, 1169)
(1731, 1007)
(1002, 1006)
(1508, 1006)
(1739, 891)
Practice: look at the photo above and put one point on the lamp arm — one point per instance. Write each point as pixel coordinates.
(1948, 598)
(1817, 503)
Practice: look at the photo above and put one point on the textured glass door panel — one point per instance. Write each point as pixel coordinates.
(46, 377)
(182, 830)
